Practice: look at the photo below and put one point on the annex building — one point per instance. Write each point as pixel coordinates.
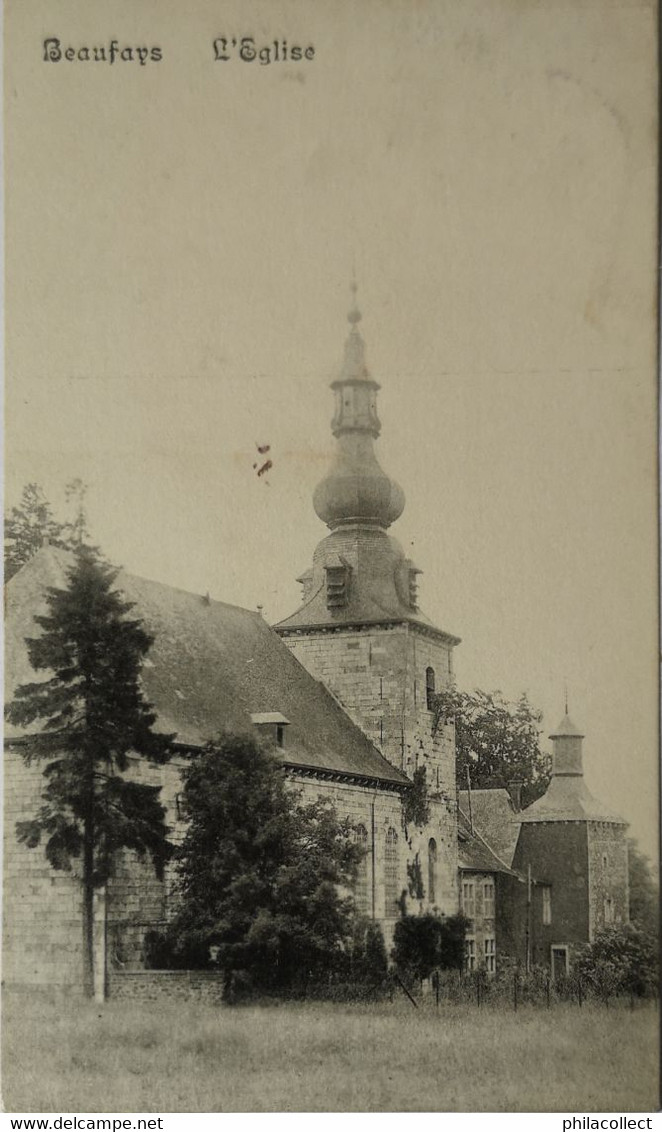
(343, 690)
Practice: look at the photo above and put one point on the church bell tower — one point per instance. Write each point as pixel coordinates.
(359, 628)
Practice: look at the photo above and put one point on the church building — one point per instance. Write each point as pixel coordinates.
(343, 691)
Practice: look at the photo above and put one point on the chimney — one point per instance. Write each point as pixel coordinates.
(514, 789)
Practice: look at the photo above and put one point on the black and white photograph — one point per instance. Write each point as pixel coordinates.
(331, 774)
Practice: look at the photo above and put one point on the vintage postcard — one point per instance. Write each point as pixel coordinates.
(331, 769)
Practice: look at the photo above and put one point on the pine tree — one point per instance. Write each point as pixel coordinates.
(260, 876)
(28, 525)
(92, 713)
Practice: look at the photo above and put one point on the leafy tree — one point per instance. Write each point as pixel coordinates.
(260, 875)
(427, 943)
(621, 959)
(497, 741)
(92, 713)
(644, 894)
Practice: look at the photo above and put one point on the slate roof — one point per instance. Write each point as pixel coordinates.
(363, 608)
(567, 730)
(373, 596)
(568, 798)
(494, 817)
(473, 852)
(210, 668)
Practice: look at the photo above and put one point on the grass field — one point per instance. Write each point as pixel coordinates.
(187, 1058)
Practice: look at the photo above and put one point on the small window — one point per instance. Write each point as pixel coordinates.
(469, 954)
(468, 899)
(280, 735)
(429, 688)
(609, 910)
(547, 904)
(488, 898)
(490, 955)
(432, 870)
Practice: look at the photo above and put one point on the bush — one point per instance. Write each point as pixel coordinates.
(368, 962)
(622, 959)
(427, 943)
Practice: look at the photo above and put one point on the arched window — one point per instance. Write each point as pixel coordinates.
(391, 893)
(429, 687)
(432, 870)
(361, 891)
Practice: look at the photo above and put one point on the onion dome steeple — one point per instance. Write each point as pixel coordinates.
(360, 574)
(356, 491)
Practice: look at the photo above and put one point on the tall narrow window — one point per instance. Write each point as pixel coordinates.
(490, 955)
(361, 890)
(429, 688)
(468, 899)
(488, 898)
(469, 954)
(547, 904)
(391, 893)
(609, 910)
(432, 870)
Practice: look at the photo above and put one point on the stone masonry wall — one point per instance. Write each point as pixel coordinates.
(181, 986)
(42, 914)
(378, 811)
(608, 875)
(558, 855)
(137, 901)
(42, 943)
(378, 674)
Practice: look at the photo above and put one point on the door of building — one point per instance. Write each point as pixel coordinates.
(559, 961)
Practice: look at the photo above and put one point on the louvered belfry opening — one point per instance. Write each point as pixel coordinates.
(337, 586)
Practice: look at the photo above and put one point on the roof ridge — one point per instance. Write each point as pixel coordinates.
(191, 593)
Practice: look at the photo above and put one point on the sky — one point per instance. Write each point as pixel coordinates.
(180, 239)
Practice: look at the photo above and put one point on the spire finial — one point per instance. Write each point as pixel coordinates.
(354, 315)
